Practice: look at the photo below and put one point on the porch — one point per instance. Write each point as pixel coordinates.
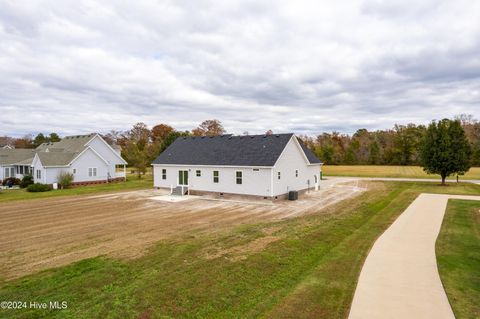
(17, 171)
(120, 172)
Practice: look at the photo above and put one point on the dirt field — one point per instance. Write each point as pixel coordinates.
(40, 234)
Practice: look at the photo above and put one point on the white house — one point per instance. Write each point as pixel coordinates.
(268, 166)
(88, 157)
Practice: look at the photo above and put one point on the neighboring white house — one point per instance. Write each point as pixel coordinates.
(268, 166)
(88, 157)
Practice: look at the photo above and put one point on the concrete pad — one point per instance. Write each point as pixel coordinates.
(400, 277)
(173, 198)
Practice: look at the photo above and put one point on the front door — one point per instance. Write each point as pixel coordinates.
(183, 178)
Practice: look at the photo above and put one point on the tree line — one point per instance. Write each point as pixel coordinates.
(400, 145)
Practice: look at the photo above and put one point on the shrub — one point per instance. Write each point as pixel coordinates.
(12, 180)
(26, 180)
(65, 179)
(39, 187)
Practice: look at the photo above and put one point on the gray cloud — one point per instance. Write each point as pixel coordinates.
(81, 66)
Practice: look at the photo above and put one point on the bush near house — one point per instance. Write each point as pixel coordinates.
(65, 179)
(39, 188)
(26, 180)
(11, 181)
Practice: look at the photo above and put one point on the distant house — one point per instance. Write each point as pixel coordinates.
(268, 166)
(7, 146)
(88, 157)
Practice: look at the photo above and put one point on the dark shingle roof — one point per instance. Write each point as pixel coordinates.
(228, 150)
(309, 154)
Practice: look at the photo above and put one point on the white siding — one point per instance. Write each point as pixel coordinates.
(107, 153)
(84, 162)
(253, 182)
(51, 174)
(81, 164)
(37, 165)
(263, 182)
(293, 159)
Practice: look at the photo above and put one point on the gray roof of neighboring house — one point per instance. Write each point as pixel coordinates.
(56, 158)
(63, 152)
(74, 143)
(228, 150)
(13, 156)
(50, 154)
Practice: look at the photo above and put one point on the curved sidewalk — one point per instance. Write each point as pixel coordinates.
(400, 277)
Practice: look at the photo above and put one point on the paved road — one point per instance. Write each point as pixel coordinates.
(437, 180)
(400, 277)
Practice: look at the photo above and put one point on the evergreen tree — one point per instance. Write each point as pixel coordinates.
(445, 150)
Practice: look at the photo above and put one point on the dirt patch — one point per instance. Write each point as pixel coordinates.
(241, 252)
(46, 233)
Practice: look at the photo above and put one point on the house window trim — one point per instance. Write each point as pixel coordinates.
(279, 175)
(216, 177)
(164, 173)
(239, 179)
(39, 174)
(198, 173)
(91, 171)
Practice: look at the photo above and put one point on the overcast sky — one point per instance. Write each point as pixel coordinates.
(302, 66)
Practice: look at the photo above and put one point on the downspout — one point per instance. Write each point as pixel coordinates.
(271, 182)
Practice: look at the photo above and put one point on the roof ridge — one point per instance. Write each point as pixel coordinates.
(238, 136)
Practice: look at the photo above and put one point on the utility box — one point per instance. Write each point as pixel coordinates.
(292, 195)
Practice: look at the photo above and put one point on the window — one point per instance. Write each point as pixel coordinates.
(215, 176)
(296, 173)
(20, 169)
(239, 177)
(7, 172)
(199, 173)
(316, 179)
(164, 173)
(74, 171)
(278, 175)
(39, 174)
(92, 171)
(256, 170)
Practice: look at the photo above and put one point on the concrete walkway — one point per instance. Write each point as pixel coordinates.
(400, 277)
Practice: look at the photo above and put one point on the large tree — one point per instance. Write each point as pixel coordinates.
(138, 150)
(170, 139)
(24, 142)
(39, 139)
(445, 149)
(209, 128)
(160, 132)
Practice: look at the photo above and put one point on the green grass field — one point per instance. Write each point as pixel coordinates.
(458, 256)
(132, 183)
(310, 272)
(389, 171)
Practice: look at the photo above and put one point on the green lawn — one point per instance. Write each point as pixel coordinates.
(132, 183)
(310, 272)
(458, 256)
(389, 171)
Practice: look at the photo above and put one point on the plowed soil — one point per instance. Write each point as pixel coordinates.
(40, 234)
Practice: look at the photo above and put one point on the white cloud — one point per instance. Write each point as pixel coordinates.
(80, 66)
